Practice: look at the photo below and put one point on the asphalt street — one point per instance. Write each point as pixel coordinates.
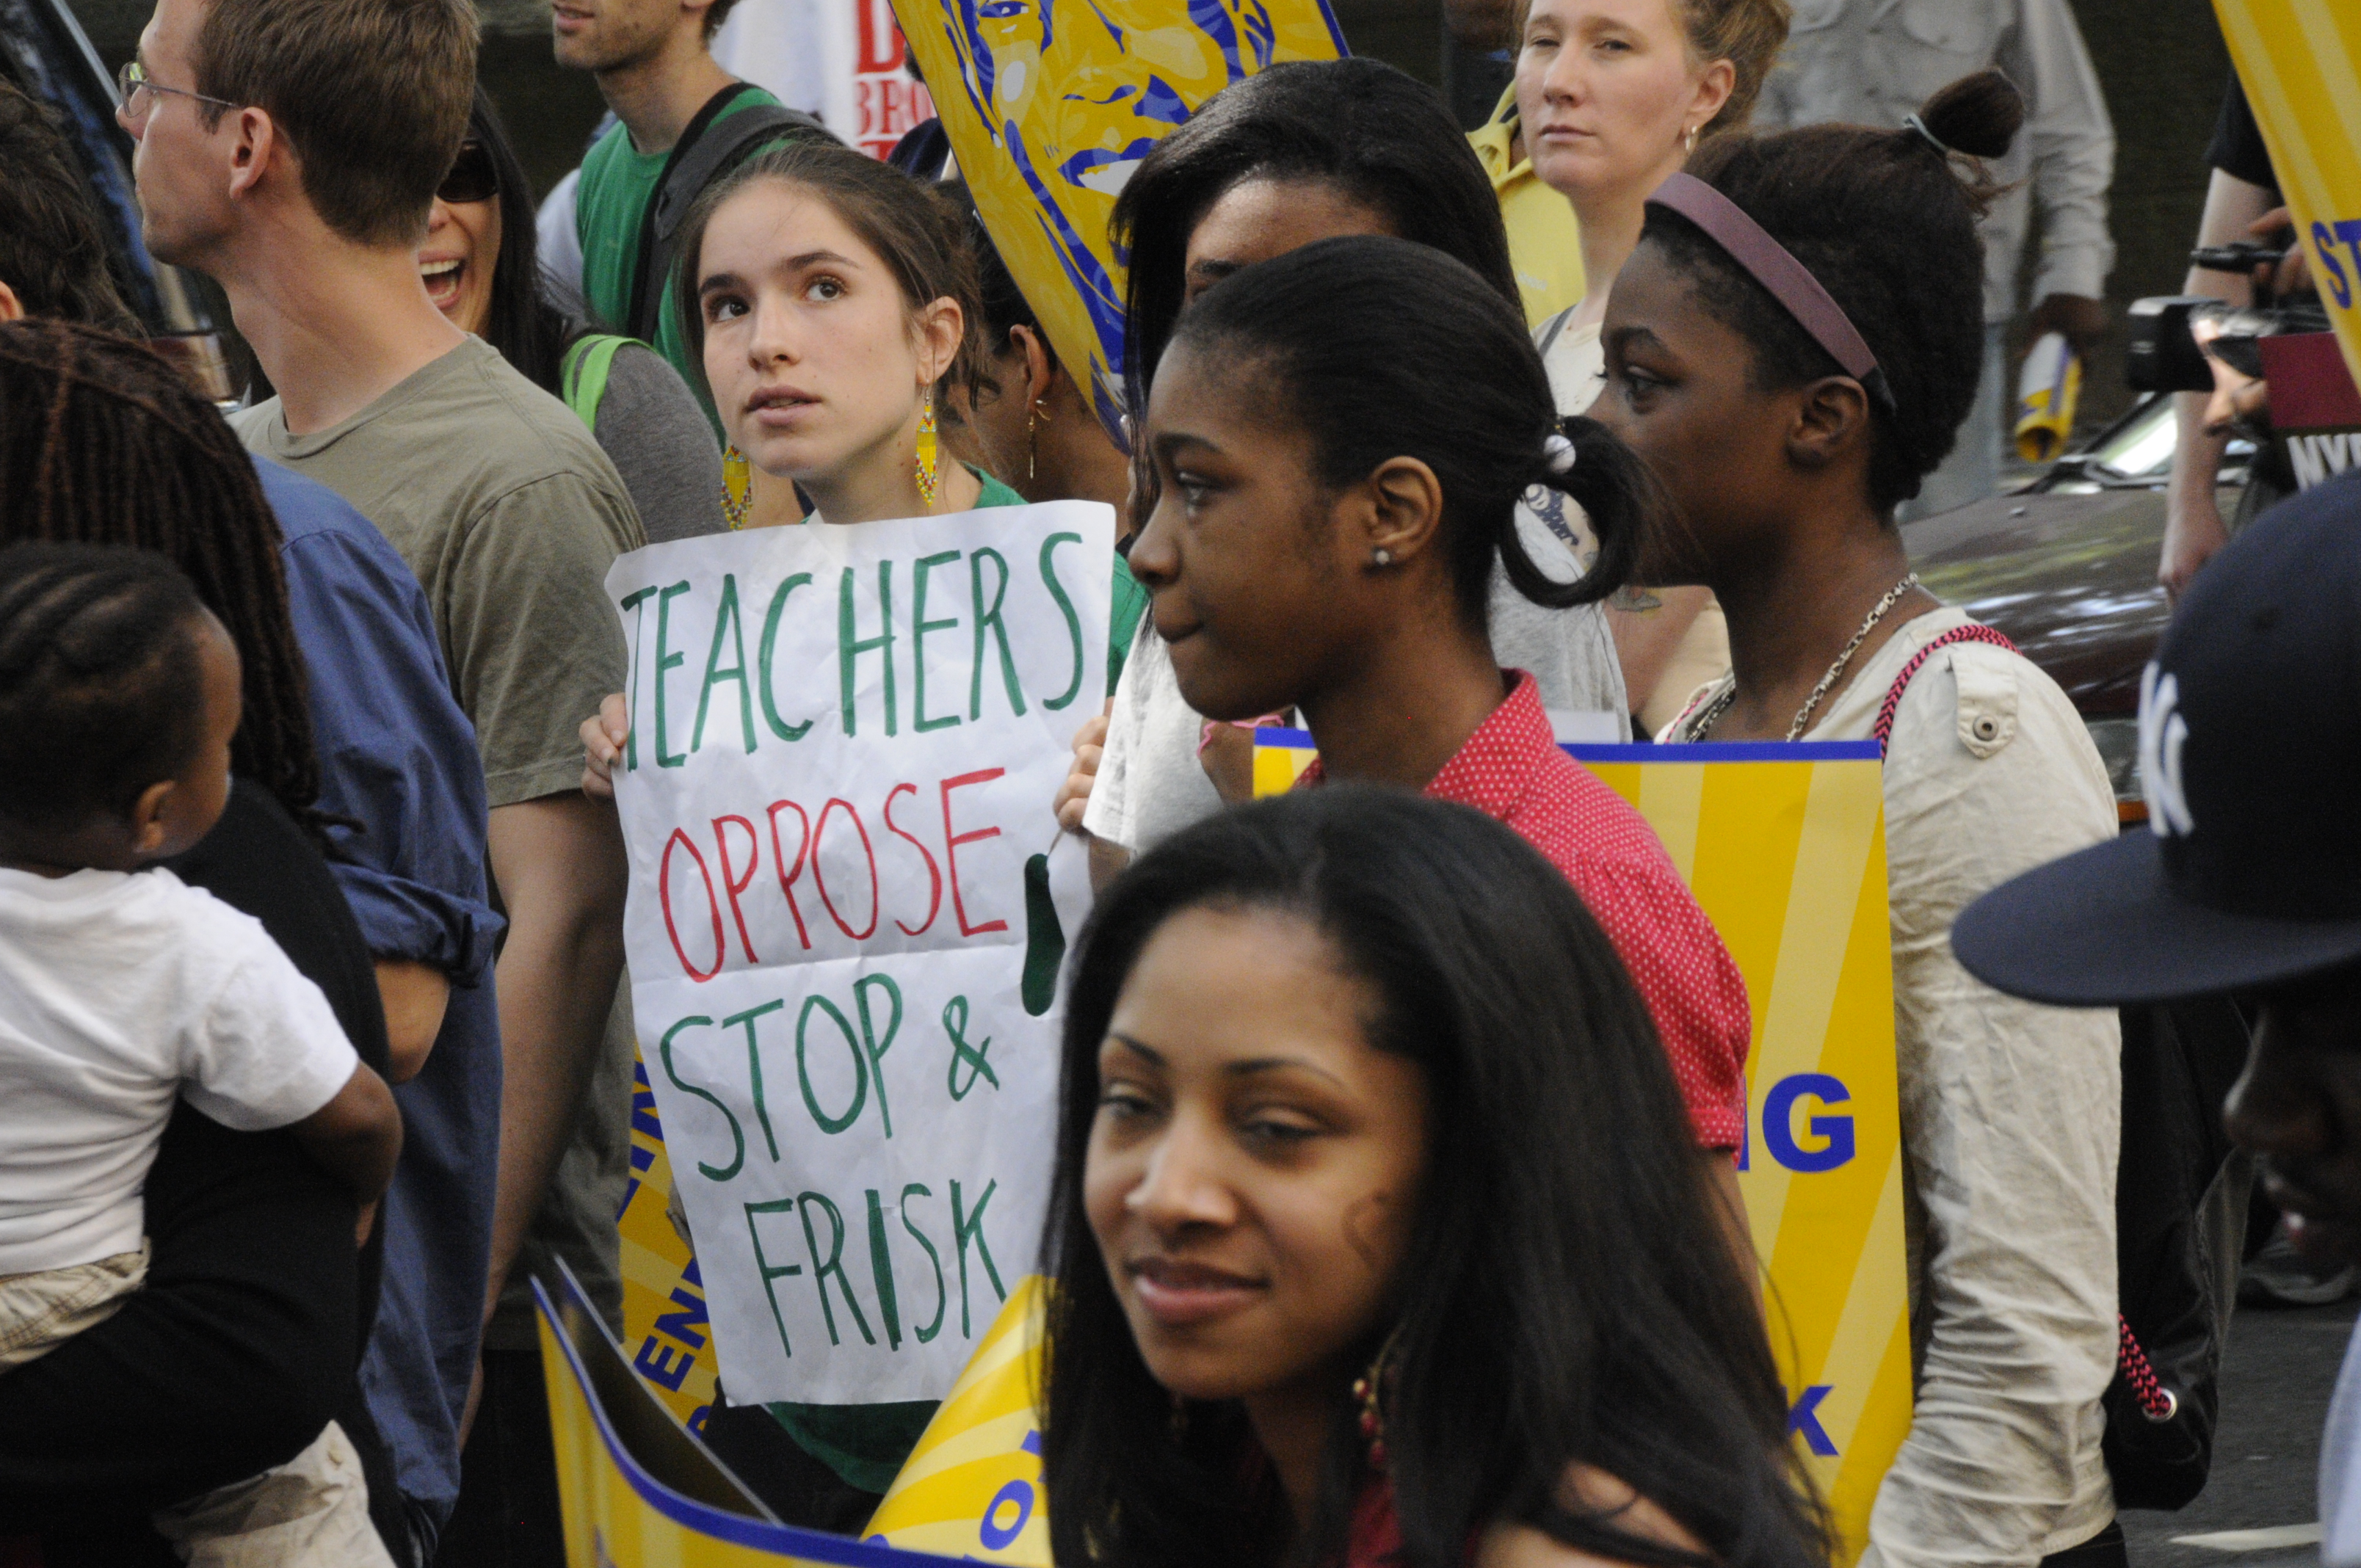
(2275, 1379)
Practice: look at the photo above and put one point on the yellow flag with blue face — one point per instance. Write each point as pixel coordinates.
(1051, 105)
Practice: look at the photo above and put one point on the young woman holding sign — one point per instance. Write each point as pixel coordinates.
(833, 304)
(834, 310)
(1793, 346)
(1340, 439)
(1399, 1255)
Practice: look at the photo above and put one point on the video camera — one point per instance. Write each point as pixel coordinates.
(2164, 356)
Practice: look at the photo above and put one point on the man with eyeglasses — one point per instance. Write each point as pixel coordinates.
(291, 150)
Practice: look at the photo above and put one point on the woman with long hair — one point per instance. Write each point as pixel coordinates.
(1612, 96)
(1793, 347)
(482, 268)
(1399, 1254)
(1340, 438)
(831, 302)
(1298, 153)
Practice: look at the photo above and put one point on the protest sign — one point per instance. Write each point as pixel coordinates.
(1784, 846)
(2296, 60)
(842, 924)
(841, 60)
(1051, 104)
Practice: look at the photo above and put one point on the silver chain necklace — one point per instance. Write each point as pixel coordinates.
(1705, 721)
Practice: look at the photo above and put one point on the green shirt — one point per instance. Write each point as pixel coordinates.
(868, 1444)
(611, 204)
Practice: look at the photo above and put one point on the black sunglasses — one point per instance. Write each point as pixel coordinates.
(472, 178)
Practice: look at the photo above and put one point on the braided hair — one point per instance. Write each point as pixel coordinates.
(99, 670)
(102, 443)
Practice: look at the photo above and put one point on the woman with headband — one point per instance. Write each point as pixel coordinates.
(1793, 347)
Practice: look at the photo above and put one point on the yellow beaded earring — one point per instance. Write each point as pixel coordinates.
(927, 483)
(737, 488)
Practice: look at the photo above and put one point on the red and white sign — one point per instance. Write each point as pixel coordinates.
(840, 59)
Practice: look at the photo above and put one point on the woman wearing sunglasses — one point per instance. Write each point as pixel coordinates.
(481, 268)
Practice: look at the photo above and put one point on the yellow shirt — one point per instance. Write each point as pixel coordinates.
(1543, 242)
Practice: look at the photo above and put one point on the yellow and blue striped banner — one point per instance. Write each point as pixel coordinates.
(2300, 62)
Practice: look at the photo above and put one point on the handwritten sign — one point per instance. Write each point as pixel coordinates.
(844, 926)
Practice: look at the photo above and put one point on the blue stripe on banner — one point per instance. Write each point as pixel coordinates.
(1727, 752)
(816, 1545)
(1292, 739)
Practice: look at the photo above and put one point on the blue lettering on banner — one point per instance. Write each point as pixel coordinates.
(2324, 244)
(1778, 1123)
(1804, 1417)
(995, 1536)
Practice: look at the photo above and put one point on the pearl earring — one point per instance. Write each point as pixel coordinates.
(1381, 556)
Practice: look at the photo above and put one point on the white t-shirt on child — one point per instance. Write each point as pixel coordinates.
(119, 989)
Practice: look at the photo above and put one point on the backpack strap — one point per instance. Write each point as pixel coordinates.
(1971, 632)
(708, 148)
(582, 374)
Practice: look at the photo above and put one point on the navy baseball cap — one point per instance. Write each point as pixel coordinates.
(2249, 870)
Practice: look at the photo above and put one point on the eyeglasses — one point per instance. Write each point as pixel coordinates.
(133, 83)
(473, 177)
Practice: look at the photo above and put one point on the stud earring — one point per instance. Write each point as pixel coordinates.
(927, 483)
(1381, 556)
(737, 488)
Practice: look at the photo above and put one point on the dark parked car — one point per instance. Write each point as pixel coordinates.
(44, 53)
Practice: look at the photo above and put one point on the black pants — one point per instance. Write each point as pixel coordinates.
(507, 1516)
(802, 1490)
(2105, 1550)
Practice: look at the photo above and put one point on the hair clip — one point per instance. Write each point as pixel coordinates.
(1913, 122)
(1559, 453)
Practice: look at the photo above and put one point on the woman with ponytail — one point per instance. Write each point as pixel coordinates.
(1340, 437)
(1793, 347)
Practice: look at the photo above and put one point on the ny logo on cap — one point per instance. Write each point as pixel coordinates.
(2162, 733)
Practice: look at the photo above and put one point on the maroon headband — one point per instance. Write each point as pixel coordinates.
(1774, 267)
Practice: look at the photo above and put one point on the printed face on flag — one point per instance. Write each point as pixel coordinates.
(1051, 104)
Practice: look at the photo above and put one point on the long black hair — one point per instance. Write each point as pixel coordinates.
(527, 325)
(1357, 124)
(1886, 220)
(1568, 1296)
(1379, 347)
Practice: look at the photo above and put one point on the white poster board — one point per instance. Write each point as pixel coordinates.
(841, 924)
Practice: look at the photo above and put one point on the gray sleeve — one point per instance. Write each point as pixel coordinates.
(658, 439)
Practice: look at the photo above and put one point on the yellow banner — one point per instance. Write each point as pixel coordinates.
(1784, 846)
(1051, 104)
(2300, 62)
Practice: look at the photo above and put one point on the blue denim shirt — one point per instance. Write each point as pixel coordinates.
(399, 757)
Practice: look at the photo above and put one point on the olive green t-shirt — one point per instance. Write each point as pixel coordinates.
(509, 514)
(610, 203)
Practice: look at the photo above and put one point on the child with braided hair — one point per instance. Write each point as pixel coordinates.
(121, 988)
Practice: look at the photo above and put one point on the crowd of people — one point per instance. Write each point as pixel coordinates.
(1424, 1245)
